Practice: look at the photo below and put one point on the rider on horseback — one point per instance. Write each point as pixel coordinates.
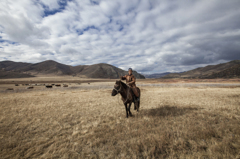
(130, 79)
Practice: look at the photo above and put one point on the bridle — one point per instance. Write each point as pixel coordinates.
(118, 90)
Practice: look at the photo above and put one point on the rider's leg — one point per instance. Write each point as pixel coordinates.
(135, 92)
(134, 98)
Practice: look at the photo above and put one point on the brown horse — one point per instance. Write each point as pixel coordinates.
(127, 96)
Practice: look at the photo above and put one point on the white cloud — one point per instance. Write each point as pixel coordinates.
(149, 36)
(51, 4)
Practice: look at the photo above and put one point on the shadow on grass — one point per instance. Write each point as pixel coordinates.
(167, 111)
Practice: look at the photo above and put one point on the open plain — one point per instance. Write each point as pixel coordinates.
(177, 119)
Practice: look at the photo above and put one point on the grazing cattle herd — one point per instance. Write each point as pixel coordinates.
(65, 85)
(31, 86)
(9, 89)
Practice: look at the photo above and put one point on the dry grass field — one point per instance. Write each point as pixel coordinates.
(175, 121)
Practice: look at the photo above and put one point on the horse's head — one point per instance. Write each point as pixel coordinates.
(117, 88)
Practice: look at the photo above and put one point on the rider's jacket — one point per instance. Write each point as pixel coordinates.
(130, 79)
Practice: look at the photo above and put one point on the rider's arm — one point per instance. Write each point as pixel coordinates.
(123, 77)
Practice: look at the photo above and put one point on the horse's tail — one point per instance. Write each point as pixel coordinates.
(139, 92)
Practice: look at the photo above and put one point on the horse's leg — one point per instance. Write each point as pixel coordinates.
(135, 105)
(138, 105)
(129, 109)
(126, 110)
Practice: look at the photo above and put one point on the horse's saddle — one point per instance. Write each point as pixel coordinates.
(136, 91)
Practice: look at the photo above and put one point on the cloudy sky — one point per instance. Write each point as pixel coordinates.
(148, 35)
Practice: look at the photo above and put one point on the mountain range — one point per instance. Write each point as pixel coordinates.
(156, 75)
(225, 70)
(10, 69)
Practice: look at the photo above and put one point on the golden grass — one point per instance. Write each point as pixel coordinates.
(184, 122)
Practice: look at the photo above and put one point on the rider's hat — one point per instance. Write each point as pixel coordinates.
(130, 69)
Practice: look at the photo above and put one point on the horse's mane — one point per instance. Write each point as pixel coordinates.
(124, 85)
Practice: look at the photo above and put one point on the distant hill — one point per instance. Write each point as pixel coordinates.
(231, 72)
(54, 68)
(156, 75)
(102, 70)
(12, 66)
(10, 74)
(49, 67)
(210, 71)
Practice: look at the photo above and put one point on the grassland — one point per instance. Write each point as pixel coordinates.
(84, 121)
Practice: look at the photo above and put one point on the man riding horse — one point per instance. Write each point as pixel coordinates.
(131, 80)
(129, 92)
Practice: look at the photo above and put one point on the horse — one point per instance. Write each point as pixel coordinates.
(127, 96)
